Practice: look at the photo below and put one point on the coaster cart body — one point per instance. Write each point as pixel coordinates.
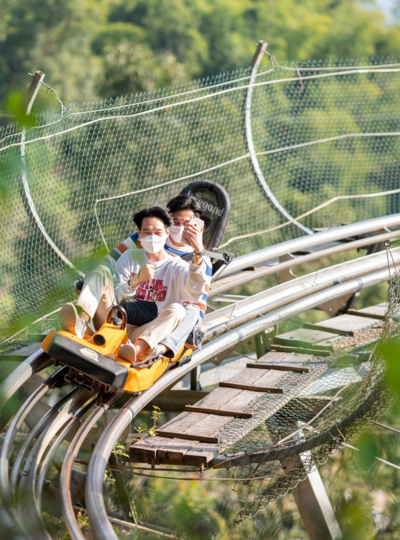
(94, 360)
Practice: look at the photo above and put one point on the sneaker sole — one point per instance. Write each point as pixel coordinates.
(68, 317)
(127, 354)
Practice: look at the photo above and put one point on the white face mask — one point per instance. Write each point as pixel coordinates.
(175, 232)
(153, 243)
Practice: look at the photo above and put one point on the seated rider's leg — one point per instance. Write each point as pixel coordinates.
(94, 302)
(145, 339)
(175, 341)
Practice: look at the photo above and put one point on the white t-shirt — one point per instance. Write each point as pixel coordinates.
(175, 280)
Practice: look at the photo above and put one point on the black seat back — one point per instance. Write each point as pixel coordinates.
(216, 205)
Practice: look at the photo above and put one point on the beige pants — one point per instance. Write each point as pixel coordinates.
(163, 325)
(97, 297)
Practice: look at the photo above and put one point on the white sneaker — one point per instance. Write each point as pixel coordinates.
(70, 320)
(128, 352)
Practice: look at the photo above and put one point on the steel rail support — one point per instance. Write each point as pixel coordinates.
(67, 506)
(249, 143)
(94, 485)
(36, 362)
(232, 316)
(286, 265)
(50, 456)
(24, 410)
(312, 501)
(27, 503)
(48, 417)
(292, 246)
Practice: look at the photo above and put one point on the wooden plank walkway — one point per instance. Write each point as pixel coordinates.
(374, 312)
(256, 393)
(345, 325)
(202, 422)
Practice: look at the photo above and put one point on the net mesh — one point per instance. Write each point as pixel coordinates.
(320, 130)
(329, 411)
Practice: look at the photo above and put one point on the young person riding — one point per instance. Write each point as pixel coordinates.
(151, 274)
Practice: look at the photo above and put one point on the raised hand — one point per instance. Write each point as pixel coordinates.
(193, 236)
(146, 274)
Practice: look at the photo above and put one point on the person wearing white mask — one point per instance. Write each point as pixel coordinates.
(182, 209)
(150, 274)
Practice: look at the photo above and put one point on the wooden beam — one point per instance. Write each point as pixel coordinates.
(271, 389)
(301, 350)
(279, 367)
(345, 325)
(218, 412)
(187, 436)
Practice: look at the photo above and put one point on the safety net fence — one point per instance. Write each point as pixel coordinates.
(295, 137)
(351, 392)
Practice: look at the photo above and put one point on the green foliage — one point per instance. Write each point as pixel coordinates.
(132, 68)
(151, 431)
(116, 45)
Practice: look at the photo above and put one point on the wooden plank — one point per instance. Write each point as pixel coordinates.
(345, 325)
(271, 389)
(241, 401)
(209, 426)
(301, 350)
(270, 378)
(226, 402)
(221, 412)
(310, 339)
(187, 436)
(248, 377)
(200, 454)
(146, 448)
(201, 430)
(254, 380)
(280, 367)
(217, 398)
(175, 449)
(175, 400)
(289, 358)
(183, 421)
(374, 312)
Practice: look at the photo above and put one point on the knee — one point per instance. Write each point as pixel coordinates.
(193, 313)
(177, 310)
(101, 272)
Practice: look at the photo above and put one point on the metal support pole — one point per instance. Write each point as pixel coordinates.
(194, 379)
(312, 500)
(261, 345)
(34, 89)
(248, 139)
(124, 499)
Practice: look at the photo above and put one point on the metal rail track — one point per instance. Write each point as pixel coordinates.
(22, 494)
(94, 483)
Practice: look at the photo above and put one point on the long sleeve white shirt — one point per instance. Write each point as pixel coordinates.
(175, 280)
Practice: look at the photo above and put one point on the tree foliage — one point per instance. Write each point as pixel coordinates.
(118, 47)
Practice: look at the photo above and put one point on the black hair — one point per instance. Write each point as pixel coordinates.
(185, 202)
(154, 212)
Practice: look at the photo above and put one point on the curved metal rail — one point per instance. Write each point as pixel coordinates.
(238, 322)
(94, 484)
(317, 239)
(248, 97)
